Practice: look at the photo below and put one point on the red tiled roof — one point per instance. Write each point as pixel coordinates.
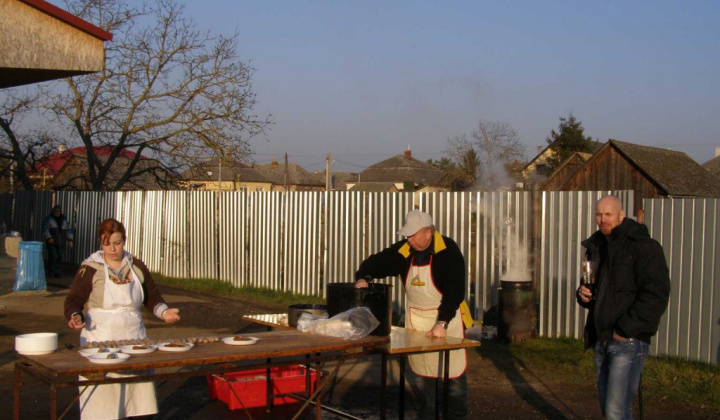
(53, 163)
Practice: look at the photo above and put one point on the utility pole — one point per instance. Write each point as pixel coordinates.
(287, 174)
(328, 172)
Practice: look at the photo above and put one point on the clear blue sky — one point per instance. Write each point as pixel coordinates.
(363, 80)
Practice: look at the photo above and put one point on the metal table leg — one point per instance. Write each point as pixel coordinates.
(401, 389)
(446, 384)
(383, 384)
(16, 396)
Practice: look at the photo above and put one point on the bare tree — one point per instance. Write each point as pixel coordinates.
(168, 92)
(20, 150)
(486, 156)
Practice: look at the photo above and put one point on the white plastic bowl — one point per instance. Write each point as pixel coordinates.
(35, 344)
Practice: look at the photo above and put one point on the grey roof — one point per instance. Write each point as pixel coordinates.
(374, 187)
(275, 172)
(675, 172)
(401, 168)
(341, 179)
(713, 166)
(229, 171)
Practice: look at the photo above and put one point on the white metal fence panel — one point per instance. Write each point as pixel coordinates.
(175, 249)
(30, 208)
(345, 223)
(568, 218)
(689, 231)
(152, 230)
(301, 243)
(501, 244)
(234, 242)
(385, 216)
(202, 239)
(266, 213)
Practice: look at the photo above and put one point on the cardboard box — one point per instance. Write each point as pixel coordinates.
(250, 386)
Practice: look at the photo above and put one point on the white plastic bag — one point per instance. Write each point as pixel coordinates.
(353, 324)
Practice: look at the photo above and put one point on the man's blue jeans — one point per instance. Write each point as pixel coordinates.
(619, 364)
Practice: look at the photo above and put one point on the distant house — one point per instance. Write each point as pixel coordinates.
(68, 170)
(713, 165)
(566, 170)
(294, 179)
(537, 172)
(650, 172)
(340, 180)
(400, 173)
(224, 175)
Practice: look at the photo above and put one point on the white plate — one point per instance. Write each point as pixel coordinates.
(35, 353)
(101, 358)
(130, 350)
(164, 347)
(94, 350)
(233, 342)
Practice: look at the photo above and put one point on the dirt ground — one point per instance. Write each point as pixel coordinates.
(497, 388)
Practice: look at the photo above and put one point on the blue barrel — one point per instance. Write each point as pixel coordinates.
(30, 268)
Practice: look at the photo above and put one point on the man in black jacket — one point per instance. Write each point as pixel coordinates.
(632, 287)
(433, 272)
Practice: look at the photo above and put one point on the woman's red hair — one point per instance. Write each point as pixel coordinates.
(107, 228)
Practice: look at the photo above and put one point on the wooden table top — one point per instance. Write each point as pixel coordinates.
(402, 340)
(271, 344)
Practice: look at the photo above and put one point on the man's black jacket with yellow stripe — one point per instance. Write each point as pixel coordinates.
(448, 270)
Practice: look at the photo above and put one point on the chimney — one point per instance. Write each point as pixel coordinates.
(717, 151)
(274, 164)
(408, 153)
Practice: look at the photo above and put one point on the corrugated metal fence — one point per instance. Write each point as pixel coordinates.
(301, 241)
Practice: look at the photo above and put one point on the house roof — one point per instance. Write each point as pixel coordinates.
(675, 172)
(229, 171)
(69, 19)
(374, 187)
(713, 166)
(54, 163)
(42, 42)
(296, 174)
(401, 168)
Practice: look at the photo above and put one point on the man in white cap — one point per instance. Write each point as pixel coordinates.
(433, 272)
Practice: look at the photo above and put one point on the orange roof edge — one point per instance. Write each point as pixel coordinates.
(70, 19)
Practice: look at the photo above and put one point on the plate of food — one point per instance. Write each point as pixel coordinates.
(98, 350)
(108, 358)
(240, 340)
(175, 346)
(137, 348)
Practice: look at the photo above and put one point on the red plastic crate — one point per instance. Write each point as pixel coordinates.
(250, 386)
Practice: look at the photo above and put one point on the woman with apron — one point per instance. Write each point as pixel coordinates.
(112, 286)
(433, 270)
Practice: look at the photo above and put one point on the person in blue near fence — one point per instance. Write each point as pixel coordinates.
(432, 268)
(629, 295)
(57, 233)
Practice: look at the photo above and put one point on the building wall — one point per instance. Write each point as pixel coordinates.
(608, 170)
(564, 173)
(31, 39)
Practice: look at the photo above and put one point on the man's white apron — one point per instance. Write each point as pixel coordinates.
(421, 309)
(119, 319)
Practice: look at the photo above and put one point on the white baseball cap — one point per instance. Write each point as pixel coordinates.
(414, 221)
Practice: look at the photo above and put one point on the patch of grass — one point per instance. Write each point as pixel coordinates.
(674, 380)
(256, 295)
(682, 382)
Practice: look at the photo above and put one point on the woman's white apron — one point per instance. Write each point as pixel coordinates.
(421, 309)
(119, 319)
